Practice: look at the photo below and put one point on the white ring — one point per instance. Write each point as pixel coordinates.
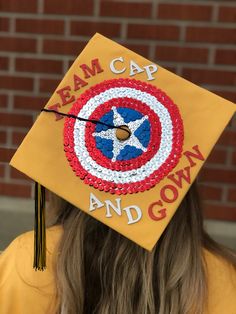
(130, 175)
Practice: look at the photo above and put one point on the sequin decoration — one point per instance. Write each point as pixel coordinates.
(138, 163)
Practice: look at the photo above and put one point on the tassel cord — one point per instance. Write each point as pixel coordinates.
(40, 229)
(86, 120)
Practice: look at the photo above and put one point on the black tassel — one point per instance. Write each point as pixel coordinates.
(39, 228)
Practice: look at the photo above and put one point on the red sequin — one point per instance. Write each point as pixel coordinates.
(134, 163)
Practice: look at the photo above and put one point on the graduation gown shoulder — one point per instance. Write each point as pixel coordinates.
(25, 291)
(22, 289)
(221, 281)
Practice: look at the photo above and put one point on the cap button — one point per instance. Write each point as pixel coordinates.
(123, 133)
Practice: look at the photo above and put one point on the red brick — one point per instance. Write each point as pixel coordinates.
(18, 190)
(85, 28)
(70, 62)
(211, 34)
(29, 103)
(210, 192)
(3, 63)
(234, 158)
(184, 12)
(228, 138)
(2, 170)
(3, 137)
(23, 6)
(138, 48)
(40, 26)
(3, 100)
(4, 24)
(232, 195)
(64, 47)
(69, 7)
(220, 212)
(224, 56)
(16, 82)
(207, 76)
(217, 156)
(232, 122)
(18, 44)
(160, 32)
(171, 69)
(227, 14)
(6, 154)
(181, 54)
(226, 94)
(17, 120)
(218, 175)
(39, 65)
(17, 137)
(125, 9)
(15, 174)
(48, 85)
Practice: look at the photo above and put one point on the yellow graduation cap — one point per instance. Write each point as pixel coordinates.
(123, 141)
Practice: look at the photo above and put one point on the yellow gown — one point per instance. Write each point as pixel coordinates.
(26, 291)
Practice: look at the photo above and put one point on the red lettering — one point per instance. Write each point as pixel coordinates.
(161, 212)
(95, 68)
(172, 190)
(65, 95)
(55, 107)
(198, 155)
(78, 82)
(179, 176)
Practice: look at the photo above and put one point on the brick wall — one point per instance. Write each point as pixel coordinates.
(40, 38)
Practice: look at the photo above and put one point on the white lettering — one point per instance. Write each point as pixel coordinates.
(131, 219)
(133, 212)
(94, 203)
(112, 66)
(150, 69)
(134, 68)
(116, 208)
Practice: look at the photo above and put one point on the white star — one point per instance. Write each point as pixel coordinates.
(118, 145)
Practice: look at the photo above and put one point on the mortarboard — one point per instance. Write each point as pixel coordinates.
(123, 142)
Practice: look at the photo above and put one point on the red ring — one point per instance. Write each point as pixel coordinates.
(158, 174)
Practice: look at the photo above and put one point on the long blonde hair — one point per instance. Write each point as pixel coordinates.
(99, 271)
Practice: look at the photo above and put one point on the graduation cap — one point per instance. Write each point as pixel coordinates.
(122, 139)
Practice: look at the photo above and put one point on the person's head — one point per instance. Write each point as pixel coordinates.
(100, 271)
(165, 120)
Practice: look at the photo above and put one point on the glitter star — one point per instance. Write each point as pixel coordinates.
(118, 145)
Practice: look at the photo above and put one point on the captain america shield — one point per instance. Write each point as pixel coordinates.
(134, 164)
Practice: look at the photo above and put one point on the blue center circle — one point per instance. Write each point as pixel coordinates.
(105, 140)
